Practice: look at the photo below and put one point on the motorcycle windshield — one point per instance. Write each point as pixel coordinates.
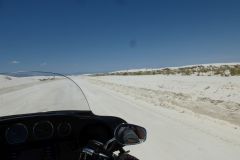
(32, 92)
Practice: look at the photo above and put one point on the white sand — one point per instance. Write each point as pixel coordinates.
(8, 81)
(30, 95)
(214, 96)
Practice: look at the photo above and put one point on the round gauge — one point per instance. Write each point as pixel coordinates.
(64, 129)
(43, 130)
(16, 134)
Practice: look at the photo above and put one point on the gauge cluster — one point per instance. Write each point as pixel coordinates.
(19, 133)
(59, 134)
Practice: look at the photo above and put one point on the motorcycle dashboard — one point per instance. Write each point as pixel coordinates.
(55, 135)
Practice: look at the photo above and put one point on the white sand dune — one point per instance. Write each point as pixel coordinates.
(194, 65)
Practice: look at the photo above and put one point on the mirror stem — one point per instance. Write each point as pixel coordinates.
(108, 142)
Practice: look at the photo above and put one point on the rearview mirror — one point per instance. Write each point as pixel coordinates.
(129, 134)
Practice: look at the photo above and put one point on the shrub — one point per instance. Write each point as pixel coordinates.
(235, 71)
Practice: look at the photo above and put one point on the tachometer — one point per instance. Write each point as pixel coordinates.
(64, 129)
(16, 134)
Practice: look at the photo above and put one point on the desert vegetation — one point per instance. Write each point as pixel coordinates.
(198, 70)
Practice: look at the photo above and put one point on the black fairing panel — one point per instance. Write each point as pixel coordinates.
(53, 135)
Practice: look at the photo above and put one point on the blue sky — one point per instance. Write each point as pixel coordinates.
(70, 36)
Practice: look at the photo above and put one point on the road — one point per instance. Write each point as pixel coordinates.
(38, 96)
(171, 135)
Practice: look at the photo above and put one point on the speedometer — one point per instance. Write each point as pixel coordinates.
(43, 130)
(16, 134)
